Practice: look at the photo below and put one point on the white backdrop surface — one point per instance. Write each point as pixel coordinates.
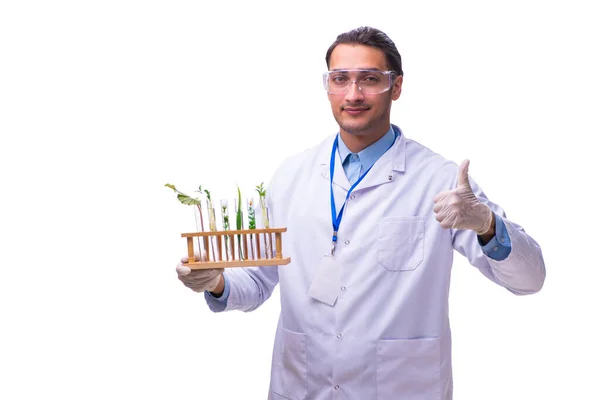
(102, 103)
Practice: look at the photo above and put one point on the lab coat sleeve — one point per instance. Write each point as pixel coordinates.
(248, 288)
(522, 272)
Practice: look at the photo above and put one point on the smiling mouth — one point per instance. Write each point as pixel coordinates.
(354, 111)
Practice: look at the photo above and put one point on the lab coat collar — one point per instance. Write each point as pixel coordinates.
(368, 156)
(383, 171)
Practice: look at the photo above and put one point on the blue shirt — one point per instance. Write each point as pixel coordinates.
(355, 164)
(498, 248)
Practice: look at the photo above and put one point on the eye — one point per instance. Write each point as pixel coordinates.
(339, 79)
(370, 79)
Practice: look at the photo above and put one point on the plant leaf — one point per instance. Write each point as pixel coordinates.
(239, 210)
(260, 189)
(185, 199)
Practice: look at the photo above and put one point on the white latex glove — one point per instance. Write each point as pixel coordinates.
(460, 209)
(198, 280)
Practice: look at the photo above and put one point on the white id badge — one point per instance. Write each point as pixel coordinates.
(326, 283)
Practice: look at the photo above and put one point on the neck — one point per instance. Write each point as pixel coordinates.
(358, 142)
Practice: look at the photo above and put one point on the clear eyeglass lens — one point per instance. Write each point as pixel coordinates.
(369, 82)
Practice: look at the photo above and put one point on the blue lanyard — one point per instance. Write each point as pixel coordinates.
(337, 220)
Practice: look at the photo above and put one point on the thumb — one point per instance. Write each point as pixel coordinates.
(463, 175)
(182, 270)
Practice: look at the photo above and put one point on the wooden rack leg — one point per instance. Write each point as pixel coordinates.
(257, 239)
(190, 246)
(279, 254)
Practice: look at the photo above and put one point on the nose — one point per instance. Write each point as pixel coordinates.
(354, 93)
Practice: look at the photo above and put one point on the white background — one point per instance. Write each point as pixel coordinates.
(103, 102)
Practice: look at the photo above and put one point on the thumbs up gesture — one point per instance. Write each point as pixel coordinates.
(460, 209)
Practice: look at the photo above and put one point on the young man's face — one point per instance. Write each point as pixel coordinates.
(356, 112)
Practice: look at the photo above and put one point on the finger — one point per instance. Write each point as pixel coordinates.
(182, 270)
(446, 224)
(463, 174)
(440, 196)
(439, 217)
(197, 256)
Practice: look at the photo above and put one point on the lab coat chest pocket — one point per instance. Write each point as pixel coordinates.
(408, 367)
(293, 382)
(400, 244)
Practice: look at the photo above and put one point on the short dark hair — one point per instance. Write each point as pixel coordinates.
(368, 36)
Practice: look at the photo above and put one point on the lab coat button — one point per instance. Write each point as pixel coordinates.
(347, 242)
(352, 197)
(339, 336)
(343, 288)
(336, 387)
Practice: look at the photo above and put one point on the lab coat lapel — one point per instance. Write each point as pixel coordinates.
(385, 169)
(339, 176)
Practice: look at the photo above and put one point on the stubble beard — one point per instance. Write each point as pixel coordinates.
(364, 128)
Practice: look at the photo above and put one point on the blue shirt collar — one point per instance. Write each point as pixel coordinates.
(372, 153)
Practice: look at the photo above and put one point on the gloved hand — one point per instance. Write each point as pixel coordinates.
(460, 209)
(198, 280)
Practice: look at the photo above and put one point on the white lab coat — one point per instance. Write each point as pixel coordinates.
(387, 336)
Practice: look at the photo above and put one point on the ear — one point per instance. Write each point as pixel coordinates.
(397, 87)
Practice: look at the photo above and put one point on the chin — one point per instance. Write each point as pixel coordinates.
(355, 129)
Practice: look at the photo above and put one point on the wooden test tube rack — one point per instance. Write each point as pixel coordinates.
(247, 237)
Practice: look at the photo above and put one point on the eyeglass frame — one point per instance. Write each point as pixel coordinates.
(390, 75)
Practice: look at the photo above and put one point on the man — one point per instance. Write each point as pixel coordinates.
(373, 218)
